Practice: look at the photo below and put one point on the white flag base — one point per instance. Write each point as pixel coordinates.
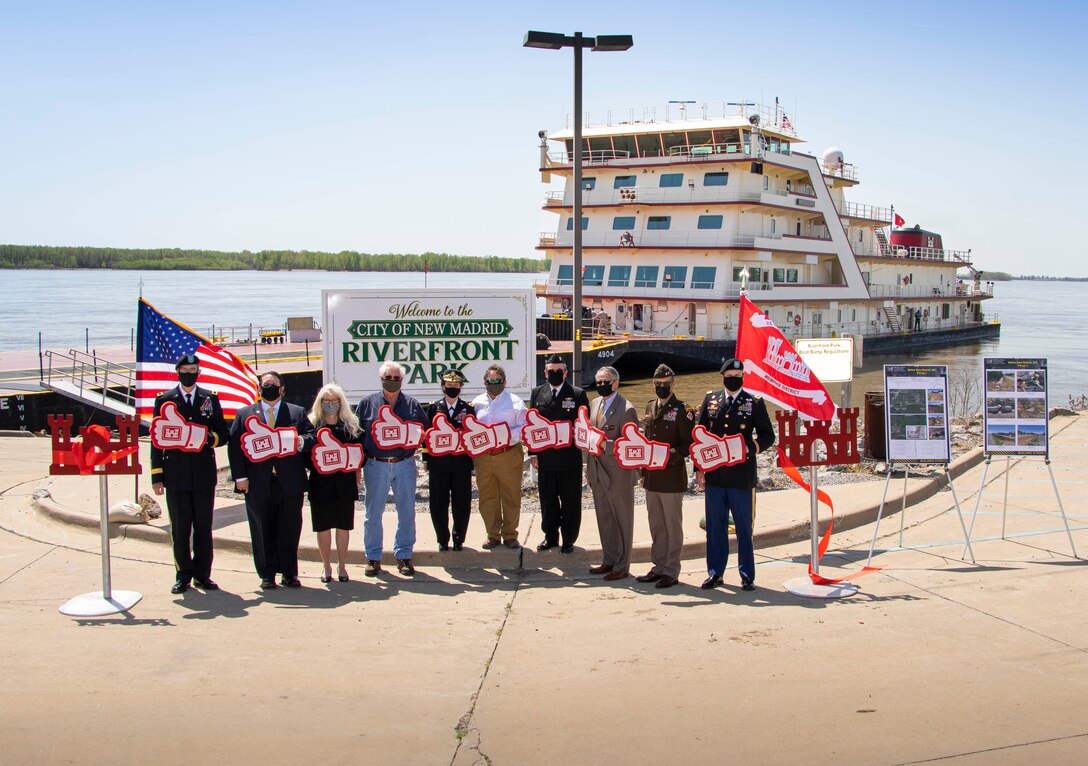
(803, 586)
(97, 605)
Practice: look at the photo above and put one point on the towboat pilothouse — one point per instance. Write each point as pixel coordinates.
(683, 207)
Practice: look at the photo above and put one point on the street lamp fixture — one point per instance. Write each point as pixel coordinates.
(557, 41)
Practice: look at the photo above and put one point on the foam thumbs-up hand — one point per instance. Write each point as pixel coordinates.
(260, 443)
(171, 431)
(479, 437)
(539, 433)
(442, 438)
(390, 432)
(633, 450)
(586, 437)
(330, 455)
(709, 452)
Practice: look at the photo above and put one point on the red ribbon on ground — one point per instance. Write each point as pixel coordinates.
(791, 470)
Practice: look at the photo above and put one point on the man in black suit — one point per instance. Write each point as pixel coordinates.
(185, 471)
(267, 466)
(559, 470)
(450, 475)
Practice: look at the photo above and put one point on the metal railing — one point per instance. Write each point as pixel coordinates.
(653, 239)
(654, 293)
(845, 171)
(878, 249)
(868, 212)
(635, 196)
(89, 375)
(694, 153)
(771, 117)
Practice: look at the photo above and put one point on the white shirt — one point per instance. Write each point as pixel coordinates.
(504, 408)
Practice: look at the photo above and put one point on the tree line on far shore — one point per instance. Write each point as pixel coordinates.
(46, 257)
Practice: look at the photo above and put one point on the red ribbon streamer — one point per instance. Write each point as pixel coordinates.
(87, 461)
(791, 470)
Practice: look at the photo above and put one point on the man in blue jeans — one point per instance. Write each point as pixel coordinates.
(390, 444)
(732, 488)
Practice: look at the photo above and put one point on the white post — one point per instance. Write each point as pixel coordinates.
(104, 529)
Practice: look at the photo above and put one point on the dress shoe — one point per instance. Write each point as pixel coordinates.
(711, 582)
(512, 543)
(567, 548)
(613, 576)
(205, 583)
(458, 547)
(343, 578)
(666, 582)
(547, 545)
(601, 569)
(442, 547)
(649, 577)
(180, 587)
(373, 567)
(747, 583)
(290, 582)
(404, 566)
(490, 543)
(269, 583)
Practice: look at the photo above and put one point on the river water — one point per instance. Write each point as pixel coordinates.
(98, 307)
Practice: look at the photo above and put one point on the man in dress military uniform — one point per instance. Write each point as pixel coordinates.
(450, 475)
(732, 488)
(559, 469)
(667, 420)
(188, 478)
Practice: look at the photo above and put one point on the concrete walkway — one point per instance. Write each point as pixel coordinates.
(936, 659)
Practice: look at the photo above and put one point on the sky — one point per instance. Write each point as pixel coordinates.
(412, 127)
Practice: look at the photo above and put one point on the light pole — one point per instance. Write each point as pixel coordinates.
(557, 41)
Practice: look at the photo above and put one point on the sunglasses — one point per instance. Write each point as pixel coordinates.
(493, 381)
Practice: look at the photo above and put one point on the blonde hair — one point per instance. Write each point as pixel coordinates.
(346, 415)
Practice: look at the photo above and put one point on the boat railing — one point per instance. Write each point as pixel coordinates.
(654, 239)
(657, 292)
(634, 195)
(962, 257)
(770, 116)
(694, 153)
(589, 158)
(845, 170)
(89, 377)
(914, 291)
(868, 212)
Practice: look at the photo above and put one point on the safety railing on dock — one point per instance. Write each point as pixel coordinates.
(91, 379)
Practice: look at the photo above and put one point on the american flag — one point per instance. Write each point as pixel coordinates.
(160, 342)
(786, 122)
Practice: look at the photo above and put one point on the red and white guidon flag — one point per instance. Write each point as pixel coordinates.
(898, 221)
(774, 370)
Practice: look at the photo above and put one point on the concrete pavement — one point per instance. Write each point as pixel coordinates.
(936, 659)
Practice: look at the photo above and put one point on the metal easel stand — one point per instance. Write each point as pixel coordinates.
(803, 586)
(109, 601)
(1005, 499)
(903, 509)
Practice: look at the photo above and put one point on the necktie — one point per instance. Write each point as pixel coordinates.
(728, 402)
(555, 396)
(188, 400)
(600, 414)
(271, 417)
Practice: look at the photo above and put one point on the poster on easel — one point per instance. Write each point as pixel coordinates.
(1015, 420)
(916, 413)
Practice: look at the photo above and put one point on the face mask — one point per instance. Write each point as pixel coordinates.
(451, 392)
(330, 408)
(392, 386)
(494, 389)
(555, 377)
(187, 379)
(270, 393)
(662, 391)
(733, 384)
(603, 388)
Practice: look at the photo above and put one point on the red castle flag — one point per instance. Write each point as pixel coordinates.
(774, 370)
(899, 220)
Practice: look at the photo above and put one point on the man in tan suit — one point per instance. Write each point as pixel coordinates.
(613, 486)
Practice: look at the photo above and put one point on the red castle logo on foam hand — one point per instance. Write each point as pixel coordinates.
(443, 439)
(98, 454)
(799, 449)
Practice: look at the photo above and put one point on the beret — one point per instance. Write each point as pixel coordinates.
(186, 359)
(732, 364)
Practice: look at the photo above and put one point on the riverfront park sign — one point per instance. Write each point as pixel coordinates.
(428, 333)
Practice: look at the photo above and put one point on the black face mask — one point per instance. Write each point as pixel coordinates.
(662, 391)
(270, 393)
(494, 389)
(604, 389)
(555, 377)
(188, 379)
(732, 384)
(392, 386)
(451, 392)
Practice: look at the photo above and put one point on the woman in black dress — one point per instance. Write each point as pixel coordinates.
(333, 495)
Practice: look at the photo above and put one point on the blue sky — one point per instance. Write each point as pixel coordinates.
(408, 127)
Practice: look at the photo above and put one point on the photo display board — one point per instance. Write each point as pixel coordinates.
(916, 413)
(1016, 406)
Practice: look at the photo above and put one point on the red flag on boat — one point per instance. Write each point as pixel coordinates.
(774, 370)
(898, 220)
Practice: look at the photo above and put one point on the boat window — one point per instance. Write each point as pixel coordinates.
(774, 226)
(619, 276)
(570, 146)
(658, 221)
(791, 275)
(731, 136)
(649, 145)
(570, 223)
(715, 179)
(565, 275)
(601, 148)
(671, 180)
(624, 182)
(946, 310)
(623, 223)
(702, 277)
(646, 276)
(593, 276)
(710, 222)
(766, 182)
(673, 140)
(625, 146)
(778, 275)
(675, 276)
(589, 183)
(753, 273)
(699, 137)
